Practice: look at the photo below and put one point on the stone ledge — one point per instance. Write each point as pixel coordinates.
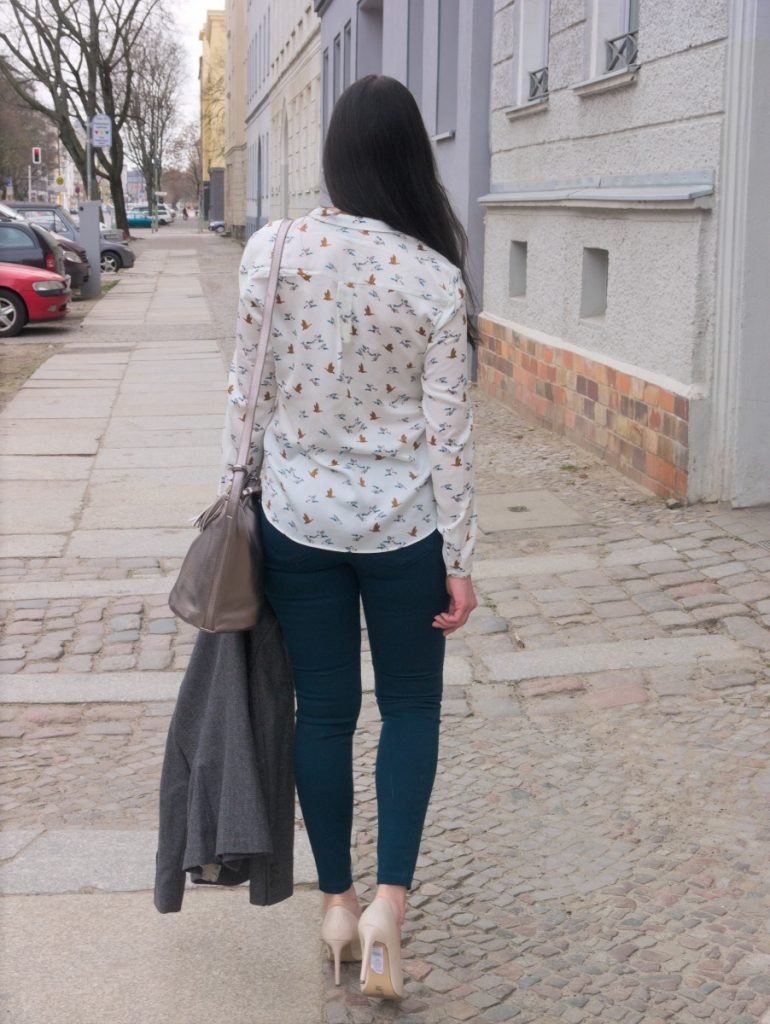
(586, 659)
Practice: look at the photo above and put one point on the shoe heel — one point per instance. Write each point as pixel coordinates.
(381, 960)
(367, 944)
(336, 947)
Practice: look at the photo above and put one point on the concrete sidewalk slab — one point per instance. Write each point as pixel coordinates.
(55, 514)
(131, 543)
(144, 516)
(50, 437)
(111, 860)
(173, 421)
(184, 455)
(582, 659)
(31, 545)
(31, 405)
(154, 408)
(145, 476)
(113, 958)
(66, 467)
(120, 437)
(30, 590)
(527, 565)
(87, 688)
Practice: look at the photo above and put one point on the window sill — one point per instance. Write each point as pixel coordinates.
(594, 320)
(605, 83)
(527, 109)
(443, 136)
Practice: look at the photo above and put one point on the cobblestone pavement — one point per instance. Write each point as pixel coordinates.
(596, 845)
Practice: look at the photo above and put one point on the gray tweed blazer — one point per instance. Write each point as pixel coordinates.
(227, 783)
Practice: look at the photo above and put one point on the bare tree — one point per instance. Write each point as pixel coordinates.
(185, 156)
(80, 55)
(152, 113)
(20, 129)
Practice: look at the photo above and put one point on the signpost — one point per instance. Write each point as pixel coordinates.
(99, 137)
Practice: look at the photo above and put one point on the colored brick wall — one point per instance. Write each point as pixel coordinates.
(634, 425)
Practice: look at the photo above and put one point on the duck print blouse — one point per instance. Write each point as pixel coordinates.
(363, 432)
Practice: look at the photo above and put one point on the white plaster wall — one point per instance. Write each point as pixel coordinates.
(661, 263)
(295, 48)
(656, 316)
(235, 114)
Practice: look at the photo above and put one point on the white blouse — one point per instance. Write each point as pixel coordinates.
(363, 432)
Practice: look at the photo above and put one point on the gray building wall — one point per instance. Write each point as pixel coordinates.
(381, 42)
(636, 163)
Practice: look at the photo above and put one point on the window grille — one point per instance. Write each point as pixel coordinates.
(538, 83)
(622, 51)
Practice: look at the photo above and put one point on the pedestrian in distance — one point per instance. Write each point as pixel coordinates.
(362, 445)
(185, 214)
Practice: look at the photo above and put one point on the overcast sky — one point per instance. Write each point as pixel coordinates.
(190, 16)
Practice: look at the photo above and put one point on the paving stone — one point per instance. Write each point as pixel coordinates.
(108, 729)
(117, 663)
(748, 632)
(165, 625)
(11, 730)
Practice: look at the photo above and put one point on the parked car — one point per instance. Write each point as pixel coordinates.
(76, 263)
(139, 217)
(168, 213)
(115, 256)
(56, 218)
(21, 242)
(30, 295)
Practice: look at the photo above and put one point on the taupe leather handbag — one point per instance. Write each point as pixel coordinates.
(220, 587)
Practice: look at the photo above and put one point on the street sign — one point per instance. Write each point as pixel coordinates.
(59, 180)
(101, 131)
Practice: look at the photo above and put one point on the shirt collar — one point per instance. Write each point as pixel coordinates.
(326, 215)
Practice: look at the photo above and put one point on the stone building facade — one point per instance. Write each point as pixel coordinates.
(440, 50)
(283, 110)
(628, 183)
(235, 117)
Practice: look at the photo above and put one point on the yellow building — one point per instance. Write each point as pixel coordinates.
(211, 76)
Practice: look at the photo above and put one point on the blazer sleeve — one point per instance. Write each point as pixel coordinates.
(170, 876)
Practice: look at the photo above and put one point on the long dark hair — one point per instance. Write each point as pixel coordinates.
(378, 162)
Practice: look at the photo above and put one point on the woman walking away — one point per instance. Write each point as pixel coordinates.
(362, 442)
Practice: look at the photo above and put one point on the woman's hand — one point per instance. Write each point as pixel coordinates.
(462, 601)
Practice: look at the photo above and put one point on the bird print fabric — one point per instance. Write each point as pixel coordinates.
(362, 438)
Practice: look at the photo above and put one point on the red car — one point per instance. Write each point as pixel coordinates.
(28, 295)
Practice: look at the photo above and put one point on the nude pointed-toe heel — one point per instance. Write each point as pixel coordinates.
(381, 960)
(340, 933)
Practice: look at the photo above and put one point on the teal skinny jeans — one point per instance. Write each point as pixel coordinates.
(316, 596)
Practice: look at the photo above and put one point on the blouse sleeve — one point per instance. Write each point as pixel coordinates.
(449, 425)
(253, 276)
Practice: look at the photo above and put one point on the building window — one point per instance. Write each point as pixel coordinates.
(369, 38)
(621, 52)
(517, 269)
(531, 19)
(448, 43)
(346, 54)
(593, 294)
(613, 34)
(337, 66)
(414, 48)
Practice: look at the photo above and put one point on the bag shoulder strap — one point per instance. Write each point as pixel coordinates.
(240, 466)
